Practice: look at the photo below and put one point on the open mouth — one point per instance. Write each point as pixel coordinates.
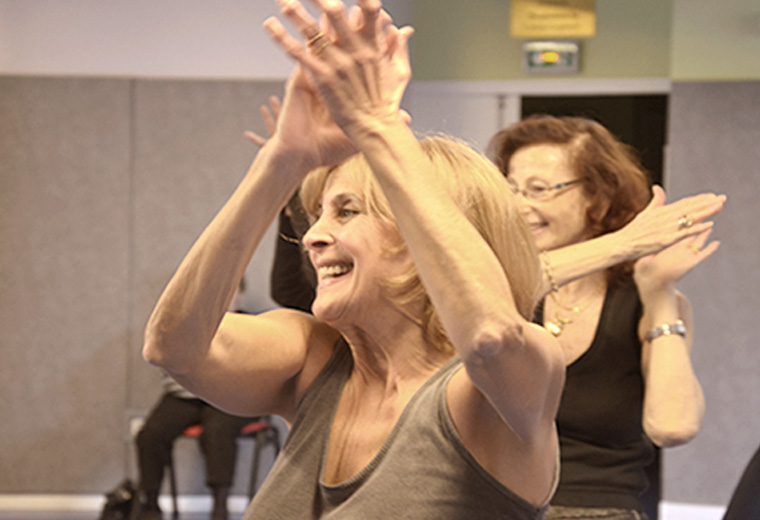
(332, 271)
(535, 227)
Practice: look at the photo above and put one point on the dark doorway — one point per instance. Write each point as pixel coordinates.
(640, 122)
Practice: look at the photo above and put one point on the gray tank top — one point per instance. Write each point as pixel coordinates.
(422, 471)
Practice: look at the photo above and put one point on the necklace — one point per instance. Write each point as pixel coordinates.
(557, 325)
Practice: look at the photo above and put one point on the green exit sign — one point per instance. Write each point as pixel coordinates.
(549, 57)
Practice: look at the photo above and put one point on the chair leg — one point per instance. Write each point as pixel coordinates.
(173, 488)
(259, 440)
(274, 434)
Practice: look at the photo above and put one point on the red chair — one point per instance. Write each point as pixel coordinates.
(263, 433)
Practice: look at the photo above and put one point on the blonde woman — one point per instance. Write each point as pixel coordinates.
(419, 388)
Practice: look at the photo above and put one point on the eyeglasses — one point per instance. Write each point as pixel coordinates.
(537, 190)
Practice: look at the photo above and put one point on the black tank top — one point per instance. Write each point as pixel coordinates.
(604, 450)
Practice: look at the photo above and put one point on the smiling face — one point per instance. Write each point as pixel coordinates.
(350, 248)
(560, 219)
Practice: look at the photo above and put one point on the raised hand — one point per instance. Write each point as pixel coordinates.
(359, 64)
(664, 269)
(659, 225)
(305, 127)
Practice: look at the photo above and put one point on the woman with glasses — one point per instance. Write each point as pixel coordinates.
(625, 331)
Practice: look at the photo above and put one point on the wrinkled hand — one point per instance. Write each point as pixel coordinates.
(662, 270)
(306, 129)
(358, 64)
(271, 114)
(657, 226)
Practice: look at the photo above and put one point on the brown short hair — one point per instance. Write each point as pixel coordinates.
(616, 184)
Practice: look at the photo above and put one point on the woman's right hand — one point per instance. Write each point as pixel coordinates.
(660, 224)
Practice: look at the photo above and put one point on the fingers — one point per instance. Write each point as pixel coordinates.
(691, 215)
(361, 25)
(315, 37)
(271, 114)
(700, 207)
(695, 208)
(372, 18)
(687, 216)
(658, 196)
(699, 240)
(335, 13)
(300, 18)
(698, 247)
(366, 19)
(255, 138)
(708, 250)
(280, 35)
(396, 40)
(269, 119)
(406, 117)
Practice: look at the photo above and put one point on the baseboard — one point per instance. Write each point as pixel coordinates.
(679, 511)
(237, 504)
(190, 503)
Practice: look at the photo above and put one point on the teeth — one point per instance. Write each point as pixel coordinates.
(333, 270)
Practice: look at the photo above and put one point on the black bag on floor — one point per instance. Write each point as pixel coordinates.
(120, 502)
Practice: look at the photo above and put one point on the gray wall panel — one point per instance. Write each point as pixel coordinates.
(63, 288)
(104, 185)
(714, 140)
(189, 155)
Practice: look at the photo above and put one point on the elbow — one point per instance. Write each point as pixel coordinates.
(493, 340)
(158, 347)
(152, 350)
(673, 433)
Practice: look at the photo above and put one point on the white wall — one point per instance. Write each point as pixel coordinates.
(144, 38)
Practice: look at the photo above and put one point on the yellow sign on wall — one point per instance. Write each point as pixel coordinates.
(552, 18)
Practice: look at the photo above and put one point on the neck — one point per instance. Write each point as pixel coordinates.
(582, 288)
(394, 355)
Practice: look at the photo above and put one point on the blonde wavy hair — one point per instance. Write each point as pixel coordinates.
(482, 194)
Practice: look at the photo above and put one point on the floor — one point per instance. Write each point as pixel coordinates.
(89, 515)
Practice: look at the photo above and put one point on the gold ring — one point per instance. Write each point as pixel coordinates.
(322, 47)
(696, 250)
(314, 39)
(684, 222)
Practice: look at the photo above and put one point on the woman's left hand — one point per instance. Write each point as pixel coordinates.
(359, 64)
(663, 270)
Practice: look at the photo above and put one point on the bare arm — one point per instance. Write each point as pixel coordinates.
(192, 337)
(654, 229)
(518, 366)
(244, 363)
(673, 400)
